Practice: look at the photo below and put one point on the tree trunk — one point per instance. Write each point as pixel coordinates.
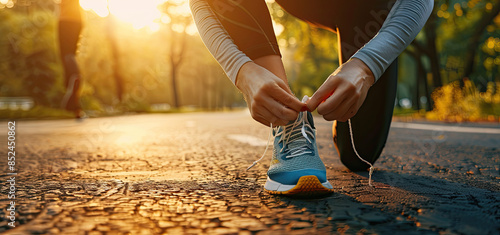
(421, 78)
(430, 102)
(176, 59)
(430, 49)
(173, 73)
(432, 53)
(417, 92)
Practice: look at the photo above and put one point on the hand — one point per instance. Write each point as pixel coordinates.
(343, 92)
(269, 98)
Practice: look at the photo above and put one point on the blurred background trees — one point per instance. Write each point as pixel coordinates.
(29, 63)
(146, 56)
(152, 64)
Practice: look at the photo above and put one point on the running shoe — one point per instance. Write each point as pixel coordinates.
(296, 168)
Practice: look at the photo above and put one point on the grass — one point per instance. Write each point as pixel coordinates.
(38, 112)
(398, 112)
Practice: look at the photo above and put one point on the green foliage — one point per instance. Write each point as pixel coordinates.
(459, 22)
(455, 103)
(404, 112)
(38, 112)
(28, 60)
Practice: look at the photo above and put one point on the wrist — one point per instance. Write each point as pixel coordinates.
(366, 72)
(242, 75)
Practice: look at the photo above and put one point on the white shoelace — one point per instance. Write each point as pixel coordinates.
(360, 158)
(290, 128)
(302, 150)
(287, 135)
(265, 151)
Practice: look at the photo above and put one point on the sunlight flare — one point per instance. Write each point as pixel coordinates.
(140, 14)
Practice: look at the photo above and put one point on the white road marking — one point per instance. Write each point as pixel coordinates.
(248, 139)
(447, 128)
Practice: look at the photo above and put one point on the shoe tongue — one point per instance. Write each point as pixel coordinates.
(310, 120)
(309, 114)
(305, 99)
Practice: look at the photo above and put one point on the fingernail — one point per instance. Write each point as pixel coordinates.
(304, 108)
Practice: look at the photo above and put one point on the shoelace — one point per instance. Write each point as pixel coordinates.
(265, 151)
(302, 149)
(288, 135)
(360, 158)
(288, 132)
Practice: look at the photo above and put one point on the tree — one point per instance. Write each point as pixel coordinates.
(473, 43)
(28, 62)
(115, 59)
(178, 37)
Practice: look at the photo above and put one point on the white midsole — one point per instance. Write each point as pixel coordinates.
(272, 185)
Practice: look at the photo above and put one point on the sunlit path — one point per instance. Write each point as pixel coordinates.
(186, 173)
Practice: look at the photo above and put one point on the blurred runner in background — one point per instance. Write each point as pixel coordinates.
(70, 25)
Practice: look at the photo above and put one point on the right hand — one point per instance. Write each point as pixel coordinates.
(269, 98)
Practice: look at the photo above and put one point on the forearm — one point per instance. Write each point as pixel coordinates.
(404, 22)
(217, 40)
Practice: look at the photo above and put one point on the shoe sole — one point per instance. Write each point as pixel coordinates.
(308, 185)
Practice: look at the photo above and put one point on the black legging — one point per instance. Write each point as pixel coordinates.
(355, 21)
(70, 26)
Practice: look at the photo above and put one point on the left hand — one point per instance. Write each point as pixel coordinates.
(343, 93)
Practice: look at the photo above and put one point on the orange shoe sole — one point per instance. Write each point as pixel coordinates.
(306, 186)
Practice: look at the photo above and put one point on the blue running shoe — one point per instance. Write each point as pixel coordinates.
(296, 168)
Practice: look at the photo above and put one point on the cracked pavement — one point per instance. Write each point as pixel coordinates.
(183, 173)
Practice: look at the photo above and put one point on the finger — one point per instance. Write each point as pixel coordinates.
(278, 109)
(287, 99)
(265, 117)
(324, 91)
(276, 121)
(332, 103)
(262, 121)
(340, 111)
(348, 115)
(279, 122)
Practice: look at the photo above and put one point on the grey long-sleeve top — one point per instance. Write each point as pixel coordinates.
(404, 22)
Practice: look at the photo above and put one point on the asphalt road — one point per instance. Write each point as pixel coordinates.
(185, 173)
